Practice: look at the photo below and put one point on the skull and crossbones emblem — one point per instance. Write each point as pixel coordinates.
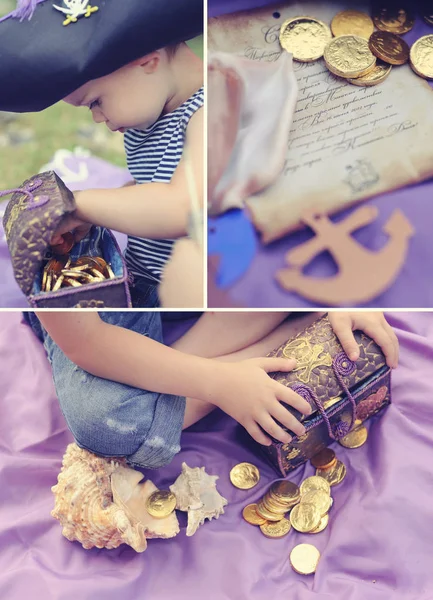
(74, 9)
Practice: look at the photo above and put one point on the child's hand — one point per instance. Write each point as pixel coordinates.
(373, 324)
(249, 395)
(78, 227)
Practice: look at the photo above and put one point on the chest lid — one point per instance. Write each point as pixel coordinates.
(32, 216)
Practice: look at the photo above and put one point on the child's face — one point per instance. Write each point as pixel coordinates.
(132, 97)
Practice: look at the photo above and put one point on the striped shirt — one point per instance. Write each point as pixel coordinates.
(152, 156)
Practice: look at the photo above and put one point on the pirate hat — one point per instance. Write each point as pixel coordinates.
(50, 48)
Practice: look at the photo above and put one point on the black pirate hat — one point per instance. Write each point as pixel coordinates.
(50, 48)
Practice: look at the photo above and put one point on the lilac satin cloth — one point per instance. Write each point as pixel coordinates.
(257, 288)
(90, 172)
(378, 544)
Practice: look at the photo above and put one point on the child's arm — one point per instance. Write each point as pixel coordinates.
(242, 389)
(150, 210)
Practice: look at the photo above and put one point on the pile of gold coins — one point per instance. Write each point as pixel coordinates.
(61, 272)
(308, 505)
(358, 53)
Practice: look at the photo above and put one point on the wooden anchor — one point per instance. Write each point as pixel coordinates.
(362, 273)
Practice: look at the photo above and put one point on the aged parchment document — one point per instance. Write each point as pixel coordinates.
(347, 143)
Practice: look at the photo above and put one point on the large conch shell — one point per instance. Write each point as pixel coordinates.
(196, 493)
(101, 503)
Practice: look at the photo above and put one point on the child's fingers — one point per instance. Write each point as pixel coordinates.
(272, 365)
(257, 434)
(270, 426)
(385, 341)
(286, 418)
(394, 339)
(285, 394)
(342, 326)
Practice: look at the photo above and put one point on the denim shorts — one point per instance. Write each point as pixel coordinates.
(110, 418)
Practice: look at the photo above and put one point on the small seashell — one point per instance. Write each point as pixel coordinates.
(196, 493)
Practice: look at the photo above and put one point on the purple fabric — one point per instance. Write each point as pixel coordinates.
(378, 544)
(256, 286)
(80, 172)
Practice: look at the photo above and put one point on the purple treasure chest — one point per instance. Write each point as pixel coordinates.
(340, 391)
(31, 217)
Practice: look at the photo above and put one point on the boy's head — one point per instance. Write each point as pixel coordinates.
(131, 97)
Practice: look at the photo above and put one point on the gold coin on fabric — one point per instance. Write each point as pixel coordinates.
(321, 500)
(276, 530)
(393, 18)
(274, 506)
(244, 476)
(352, 22)
(322, 525)
(304, 559)
(355, 438)
(251, 515)
(421, 57)
(161, 504)
(333, 476)
(389, 47)
(323, 459)
(286, 491)
(315, 483)
(305, 38)
(305, 517)
(262, 511)
(349, 56)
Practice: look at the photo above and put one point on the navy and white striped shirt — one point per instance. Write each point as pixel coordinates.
(152, 156)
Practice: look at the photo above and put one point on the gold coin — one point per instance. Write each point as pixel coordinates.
(355, 438)
(380, 72)
(389, 47)
(352, 22)
(111, 275)
(44, 279)
(393, 19)
(69, 282)
(305, 517)
(58, 283)
(323, 459)
(305, 38)
(322, 525)
(244, 476)
(304, 559)
(321, 500)
(276, 530)
(333, 476)
(276, 509)
(97, 274)
(421, 56)
(349, 56)
(48, 282)
(315, 483)
(286, 491)
(262, 511)
(251, 515)
(161, 504)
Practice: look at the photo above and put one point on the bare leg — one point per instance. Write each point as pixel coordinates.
(197, 409)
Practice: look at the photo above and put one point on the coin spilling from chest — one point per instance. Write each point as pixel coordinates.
(324, 459)
(251, 515)
(349, 56)
(244, 476)
(315, 483)
(389, 47)
(304, 559)
(305, 38)
(161, 504)
(421, 57)
(333, 476)
(355, 438)
(276, 530)
(352, 22)
(305, 517)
